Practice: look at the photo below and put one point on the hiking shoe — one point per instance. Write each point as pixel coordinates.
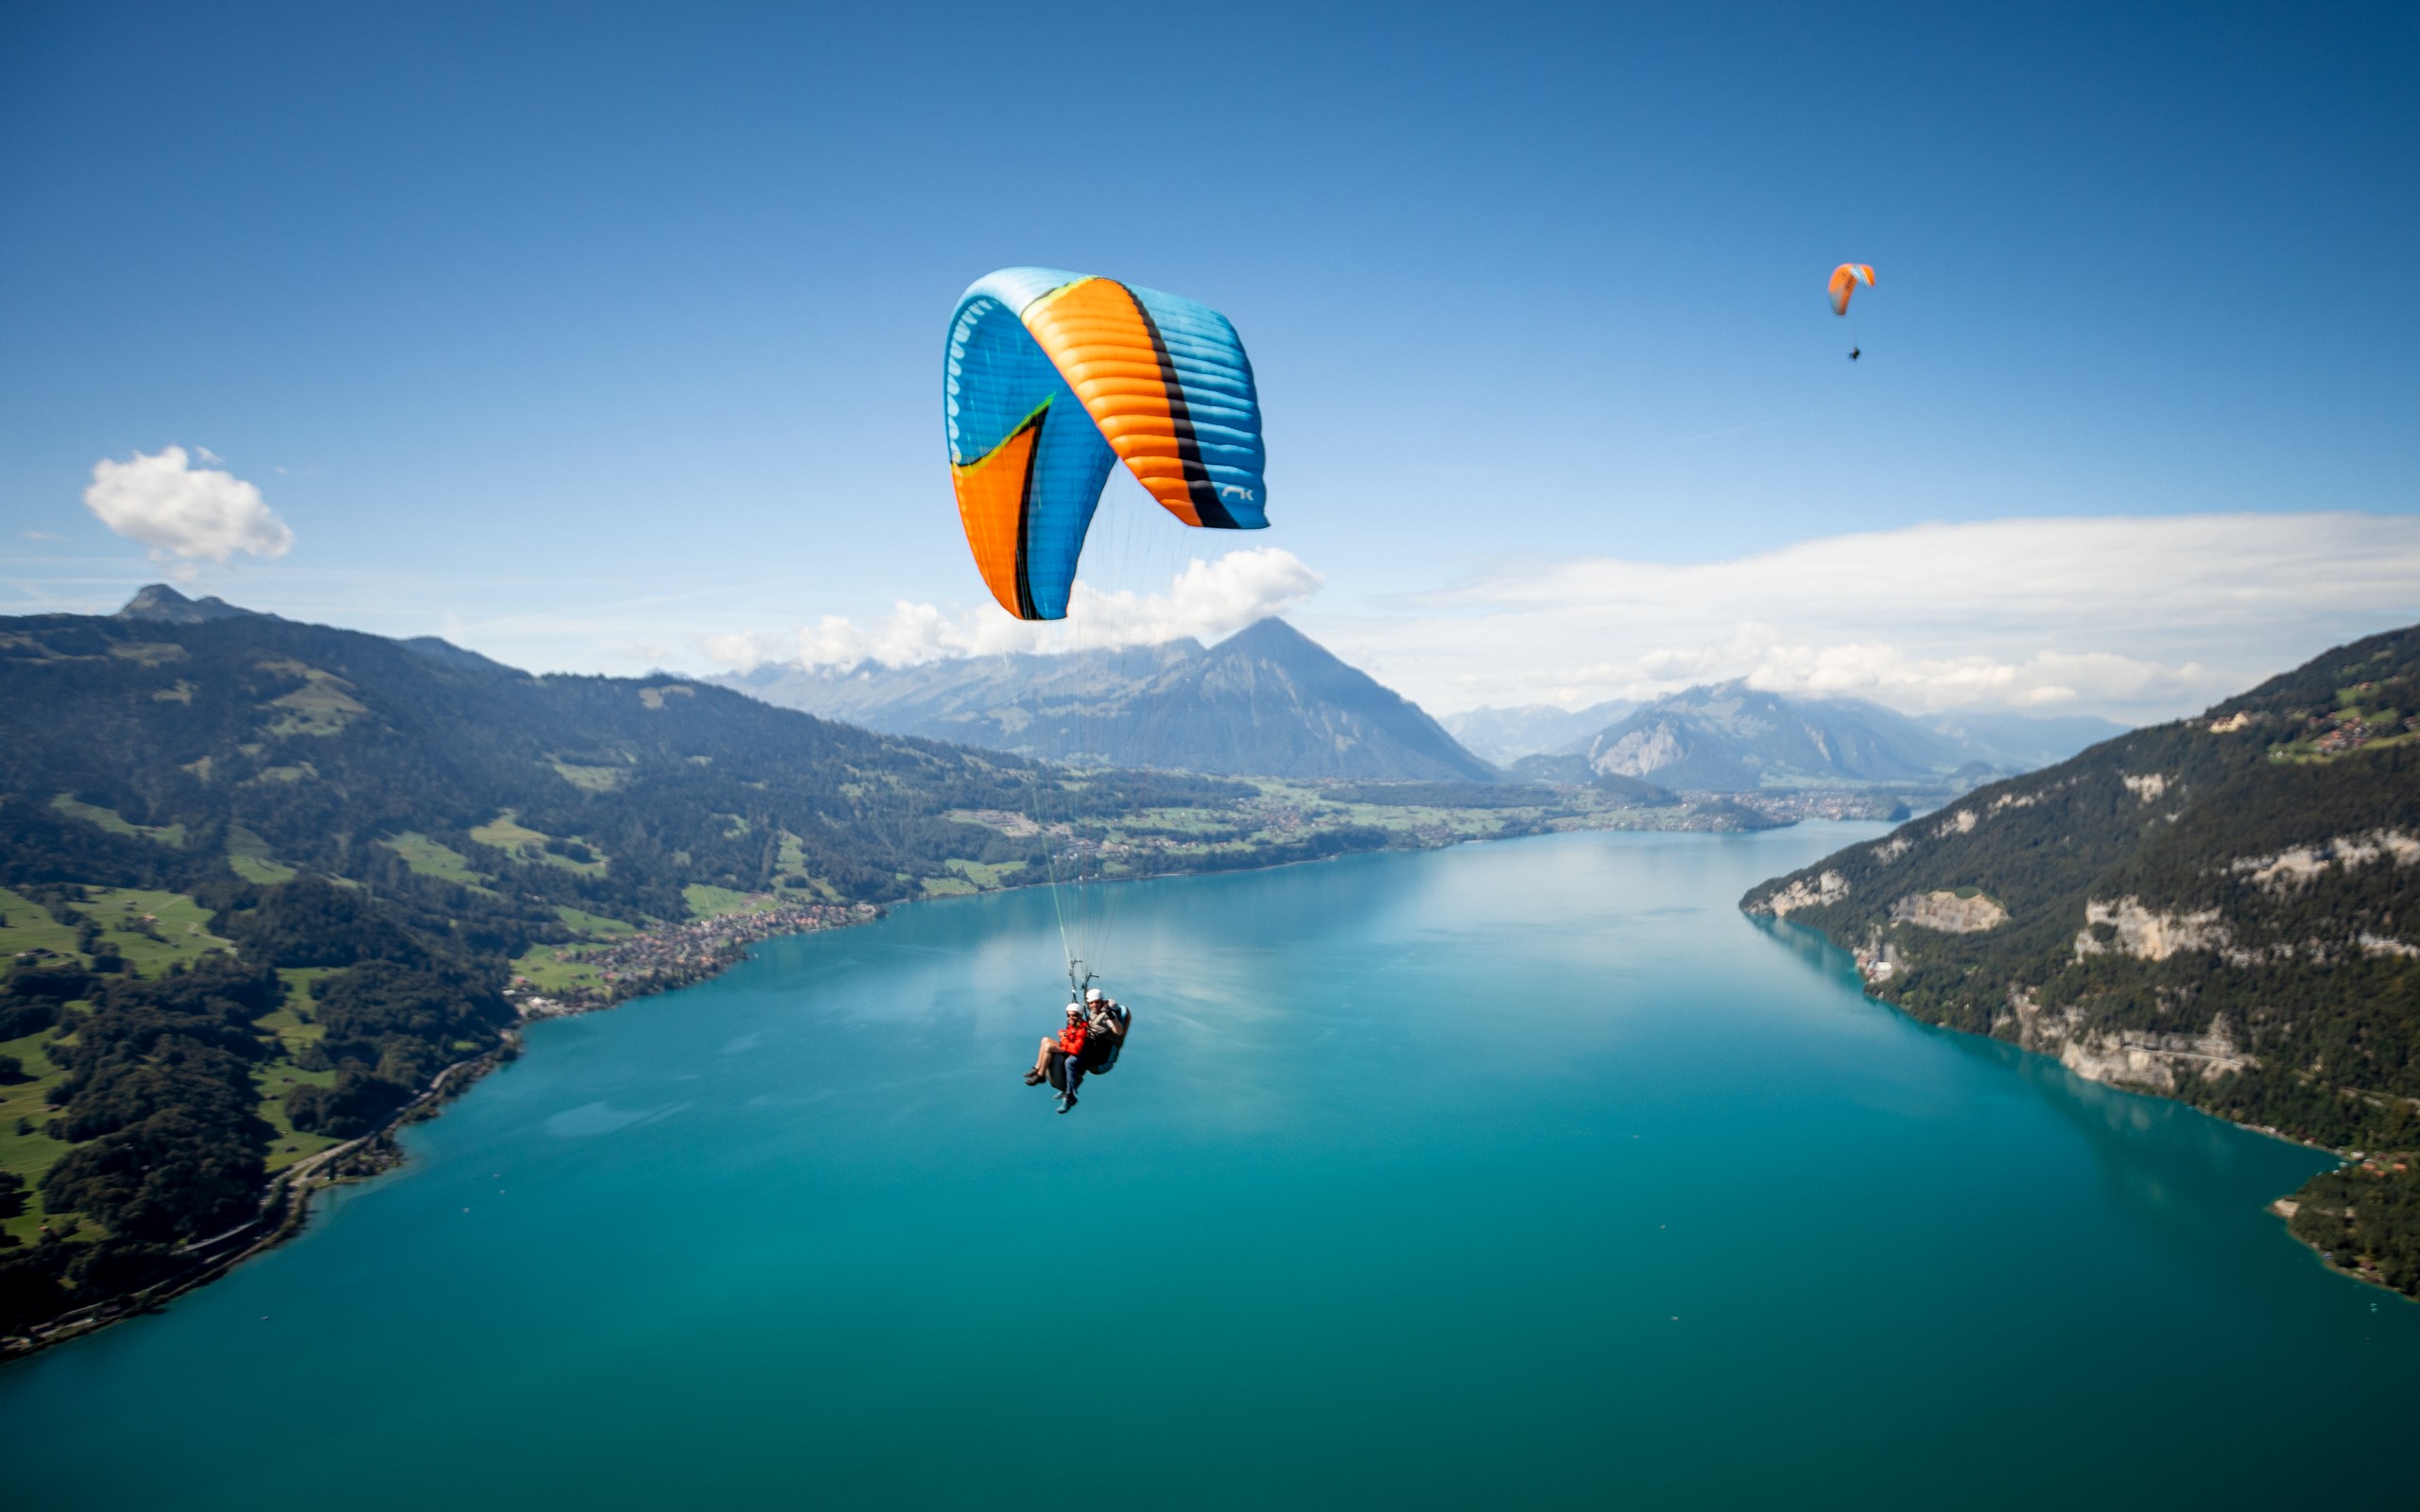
(1034, 1078)
(1067, 1101)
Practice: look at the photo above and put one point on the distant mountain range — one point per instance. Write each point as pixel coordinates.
(1267, 701)
(2224, 910)
(1732, 738)
(1506, 736)
(1272, 703)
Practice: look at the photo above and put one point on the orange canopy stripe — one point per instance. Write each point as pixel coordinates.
(1098, 337)
(992, 495)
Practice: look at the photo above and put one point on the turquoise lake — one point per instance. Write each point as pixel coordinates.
(1519, 1175)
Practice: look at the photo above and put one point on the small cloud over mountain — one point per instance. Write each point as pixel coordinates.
(196, 513)
(1206, 600)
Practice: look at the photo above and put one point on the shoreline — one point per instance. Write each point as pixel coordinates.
(2284, 1208)
(688, 953)
(285, 1206)
(716, 945)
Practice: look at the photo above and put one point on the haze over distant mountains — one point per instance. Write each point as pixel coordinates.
(1732, 738)
(1267, 701)
(2012, 742)
(1506, 736)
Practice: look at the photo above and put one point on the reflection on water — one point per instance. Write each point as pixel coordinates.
(2200, 1183)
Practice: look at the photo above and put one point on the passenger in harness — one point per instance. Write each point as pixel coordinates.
(1090, 1044)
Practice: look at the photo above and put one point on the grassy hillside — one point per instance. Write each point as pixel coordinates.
(2224, 910)
(258, 747)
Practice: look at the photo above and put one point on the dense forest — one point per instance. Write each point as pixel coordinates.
(2224, 910)
(162, 1104)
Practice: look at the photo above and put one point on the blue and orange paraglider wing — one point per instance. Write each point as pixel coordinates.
(1052, 377)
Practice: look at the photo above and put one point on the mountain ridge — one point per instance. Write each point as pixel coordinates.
(1730, 737)
(1504, 735)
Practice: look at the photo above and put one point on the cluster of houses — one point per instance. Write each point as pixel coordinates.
(2349, 731)
(657, 961)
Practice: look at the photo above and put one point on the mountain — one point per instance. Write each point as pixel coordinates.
(175, 737)
(2001, 741)
(2224, 910)
(1267, 701)
(1732, 738)
(1504, 736)
(163, 605)
(436, 649)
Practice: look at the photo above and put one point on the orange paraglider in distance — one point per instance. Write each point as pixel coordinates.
(1845, 279)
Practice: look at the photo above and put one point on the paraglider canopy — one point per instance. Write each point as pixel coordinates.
(1845, 279)
(1051, 378)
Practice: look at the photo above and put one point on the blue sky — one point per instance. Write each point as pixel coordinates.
(598, 336)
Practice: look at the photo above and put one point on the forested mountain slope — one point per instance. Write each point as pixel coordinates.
(1267, 701)
(166, 747)
(2224, 909)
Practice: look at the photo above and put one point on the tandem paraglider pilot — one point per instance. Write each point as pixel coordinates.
(1089, 1043)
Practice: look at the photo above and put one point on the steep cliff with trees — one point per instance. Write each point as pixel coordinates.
(2224, 910)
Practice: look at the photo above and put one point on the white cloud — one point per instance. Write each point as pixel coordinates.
(184, 511)
(2138, 618)
(1207, 599)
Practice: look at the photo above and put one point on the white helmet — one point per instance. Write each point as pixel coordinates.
(1094, 994)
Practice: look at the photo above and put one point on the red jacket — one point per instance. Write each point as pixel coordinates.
(1071, 1038)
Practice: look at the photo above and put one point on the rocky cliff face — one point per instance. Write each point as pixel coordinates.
(2224, 909)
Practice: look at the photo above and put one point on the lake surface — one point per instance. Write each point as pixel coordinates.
(1526, 1175)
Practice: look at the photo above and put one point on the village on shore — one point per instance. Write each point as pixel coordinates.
(674, 956)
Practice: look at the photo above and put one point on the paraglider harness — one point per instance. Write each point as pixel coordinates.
(1101, 1047)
